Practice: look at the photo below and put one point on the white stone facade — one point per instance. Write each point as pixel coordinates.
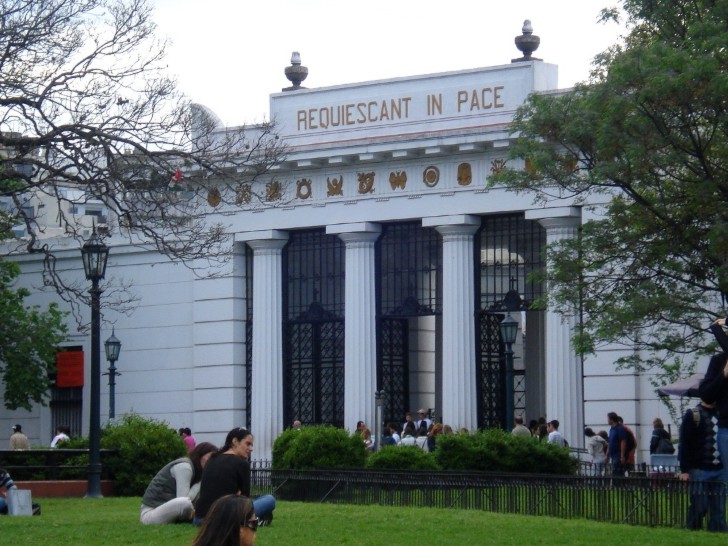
(361, 156)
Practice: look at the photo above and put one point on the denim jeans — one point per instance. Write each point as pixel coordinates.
(707, 496)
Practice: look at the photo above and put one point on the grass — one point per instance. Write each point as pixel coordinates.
(114, 521)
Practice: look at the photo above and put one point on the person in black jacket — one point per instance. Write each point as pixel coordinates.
(701, 465)
(659, 433)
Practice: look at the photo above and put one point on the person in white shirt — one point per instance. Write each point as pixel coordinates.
(62, 435)
(555, 437)
(422, 417)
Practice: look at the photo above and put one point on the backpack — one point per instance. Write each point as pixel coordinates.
(664, 447)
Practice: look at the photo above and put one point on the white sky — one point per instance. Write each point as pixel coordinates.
(230, 54)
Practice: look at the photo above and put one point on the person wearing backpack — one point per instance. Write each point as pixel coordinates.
(631, 445)
(661, 441)
(700, 464)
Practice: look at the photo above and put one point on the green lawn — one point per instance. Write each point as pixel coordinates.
(112, 521)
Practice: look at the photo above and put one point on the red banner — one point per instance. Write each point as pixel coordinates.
(69, 369)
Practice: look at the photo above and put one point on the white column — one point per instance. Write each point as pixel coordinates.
(564, 373)
(267, 396)
(360, 339)
(459, 395)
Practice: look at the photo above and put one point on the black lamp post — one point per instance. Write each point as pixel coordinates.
(509, 331)
(94, 254)
(113, 347)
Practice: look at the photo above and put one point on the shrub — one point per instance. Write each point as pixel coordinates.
(402, 458)
(143, 446)
(496, 450)
(319, 446)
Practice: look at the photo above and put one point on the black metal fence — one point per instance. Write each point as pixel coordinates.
(659, 500)
(50, 464)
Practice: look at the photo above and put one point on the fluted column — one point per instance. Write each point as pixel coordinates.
(360, 340)
(267, 396)
(564, 373)
(459, 396)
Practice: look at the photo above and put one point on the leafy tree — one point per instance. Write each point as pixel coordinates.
(644, 146)
(88, 114)
(29, 339)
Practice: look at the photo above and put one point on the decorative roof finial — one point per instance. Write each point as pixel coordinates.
(295, 73)
(527, 43)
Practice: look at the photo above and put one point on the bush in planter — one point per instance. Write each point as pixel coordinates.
(142, 446)
(402, 458)
(318, 446)
(496, 450)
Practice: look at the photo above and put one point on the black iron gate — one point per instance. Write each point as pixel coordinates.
(313, 330)
(314, 368)
(491, 376)
(409, 263)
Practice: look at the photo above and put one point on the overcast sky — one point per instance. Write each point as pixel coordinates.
(230, 54)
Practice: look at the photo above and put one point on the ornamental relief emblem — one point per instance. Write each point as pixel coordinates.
(334, 186)
(366, 182)
(244, 194)
(273, 191)
(497, 165)
(214, 197)
(398, 179)
(431, 176)
(465, 174)
(303, 188)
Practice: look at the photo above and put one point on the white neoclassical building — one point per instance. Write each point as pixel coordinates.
(379, 261)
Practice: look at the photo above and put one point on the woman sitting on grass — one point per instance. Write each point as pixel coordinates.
(228, 473)
(230, 522)
(170, 495)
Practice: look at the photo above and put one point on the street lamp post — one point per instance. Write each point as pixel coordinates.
(378, 417)
(509, 331)
(112, 347)
(94, 254)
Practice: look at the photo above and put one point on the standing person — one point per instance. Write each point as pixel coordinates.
(170, 495)
(62, 435)
(18, 440)
(231, 522)
(188, 439)
(228, 473)
(661, 441)
(617, 451)
(700, 464)
(396, 438)
(596, 447)
(631, 445)
(555, 437)
(407, 419)
(520, 429)
(714, 389)
(423, 423)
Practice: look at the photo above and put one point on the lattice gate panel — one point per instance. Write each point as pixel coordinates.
(490, 373)
(394, 371)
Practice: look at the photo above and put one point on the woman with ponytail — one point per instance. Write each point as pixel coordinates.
(228, 473)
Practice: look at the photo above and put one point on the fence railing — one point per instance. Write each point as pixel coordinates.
(50, 464)
(660, 500)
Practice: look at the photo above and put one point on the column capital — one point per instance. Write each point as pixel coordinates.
(271, 239)
(359, 232)
(558, 217)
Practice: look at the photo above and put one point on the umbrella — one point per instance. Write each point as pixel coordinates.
(683, 387)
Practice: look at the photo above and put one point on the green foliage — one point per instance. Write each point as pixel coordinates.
(319, 446)
(29, 339)
(402, 458)
(142, 446)
(646, 139)
(495, 450)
